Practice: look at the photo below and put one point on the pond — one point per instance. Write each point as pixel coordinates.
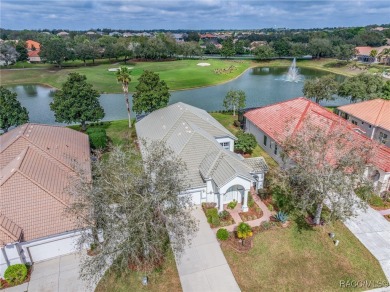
(263, 86)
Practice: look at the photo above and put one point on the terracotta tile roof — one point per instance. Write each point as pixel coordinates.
(282, 119)
(375, 112)
(9, 231)
(32, 54)
(367, 50)
(30, 44)
(37, 163)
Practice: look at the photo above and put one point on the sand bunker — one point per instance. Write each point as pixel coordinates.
(203, 64)
(116, 69)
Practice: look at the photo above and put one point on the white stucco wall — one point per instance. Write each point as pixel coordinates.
(259, 135)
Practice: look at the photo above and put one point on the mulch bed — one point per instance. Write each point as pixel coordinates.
(238, 245)
(224, 222)
(268, 201)
(253, 213)
(4, 284)
(387, 217)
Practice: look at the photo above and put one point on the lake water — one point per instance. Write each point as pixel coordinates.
(263, 86)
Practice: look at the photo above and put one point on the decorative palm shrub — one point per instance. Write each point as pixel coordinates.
(212, 217)
(281, 217)
(244, 231)
(232, 204)
(251, 202)
(16, 274)
(222, 234)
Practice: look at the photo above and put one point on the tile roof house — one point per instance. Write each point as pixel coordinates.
(37, 164)
(272, 124)
(372, 116)
(363, 54)
(215, 172)
(33, 50)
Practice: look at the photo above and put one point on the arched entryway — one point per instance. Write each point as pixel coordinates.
(235, 192)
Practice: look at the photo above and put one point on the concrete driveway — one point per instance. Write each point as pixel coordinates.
(373, 230)
(57, 275)
(203, 267)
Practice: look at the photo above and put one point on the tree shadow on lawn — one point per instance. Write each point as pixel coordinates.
(302, 225)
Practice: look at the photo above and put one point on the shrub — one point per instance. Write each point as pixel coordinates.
(364, 192)
(281, 199)
(281, 217)
(97, 138)
(251, 202)
(222, 234)
(266, 225)
(270, 207)
(16, 274)
(263, 194)
(232, 204)
(376, 201)
(210, 213)
(386, 196)
(223, 215)
(237, 123)
(244, 230)
(245, 143)
(215, 221)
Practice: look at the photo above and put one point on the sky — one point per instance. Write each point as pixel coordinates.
(190, 14)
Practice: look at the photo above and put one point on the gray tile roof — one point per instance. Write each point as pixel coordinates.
(257, 164)
(190, 132)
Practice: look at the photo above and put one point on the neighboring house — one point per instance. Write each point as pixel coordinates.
(363, 54)
(115, 33)
(90, 33)
(37, 163)
(63, 34)
(215, 173)
(272, 124)
(179, 37)
(33, 50)
(208, 36)
(256, 44)
(372, 116)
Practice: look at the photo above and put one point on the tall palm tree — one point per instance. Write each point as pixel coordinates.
(123, 76)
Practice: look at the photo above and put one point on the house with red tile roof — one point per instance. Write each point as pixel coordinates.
(363, 54)
(33, 50)
(372, 116)
(37, 165)
(274, 123)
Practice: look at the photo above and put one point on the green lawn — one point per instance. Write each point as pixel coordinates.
(182, 74)
(227, 120)
(289, 259)
(162, 280)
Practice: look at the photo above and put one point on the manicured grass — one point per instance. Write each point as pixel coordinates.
(227, 120)
(118, 132)
(161, 280)
(182, 74)
(303, 260)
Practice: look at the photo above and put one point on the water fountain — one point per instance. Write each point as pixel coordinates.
(293, 73)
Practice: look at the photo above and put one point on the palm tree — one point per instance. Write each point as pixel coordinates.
(386, 55)
(123, 76)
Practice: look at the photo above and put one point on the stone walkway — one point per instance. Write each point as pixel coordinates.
(373, 230)
(203, 267)
(237, 219)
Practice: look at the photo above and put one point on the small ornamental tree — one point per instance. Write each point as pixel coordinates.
(320, 89)
(264, 52)
(77, 101)
(12, 113)
(234, 100)
(246, 142)
(151, 93)
(22, 51)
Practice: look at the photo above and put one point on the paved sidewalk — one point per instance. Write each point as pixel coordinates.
(373, 230)
(203, 267)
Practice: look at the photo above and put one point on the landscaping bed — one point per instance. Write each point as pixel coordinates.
(387, 217)
(214, 218)
(5, 284)
(253, 213)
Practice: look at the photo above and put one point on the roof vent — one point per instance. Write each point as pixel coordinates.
(164, 127)
(13, 169)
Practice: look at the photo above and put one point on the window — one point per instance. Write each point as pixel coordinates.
(225, 145)
(382, 137)
(369, 126)
(265, 140)
(354, 122)
(276, 149)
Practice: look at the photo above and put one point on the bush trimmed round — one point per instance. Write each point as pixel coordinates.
(222, 234)
(16, 274)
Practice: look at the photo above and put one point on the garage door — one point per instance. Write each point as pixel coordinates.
(52, 249)
(196, 198)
